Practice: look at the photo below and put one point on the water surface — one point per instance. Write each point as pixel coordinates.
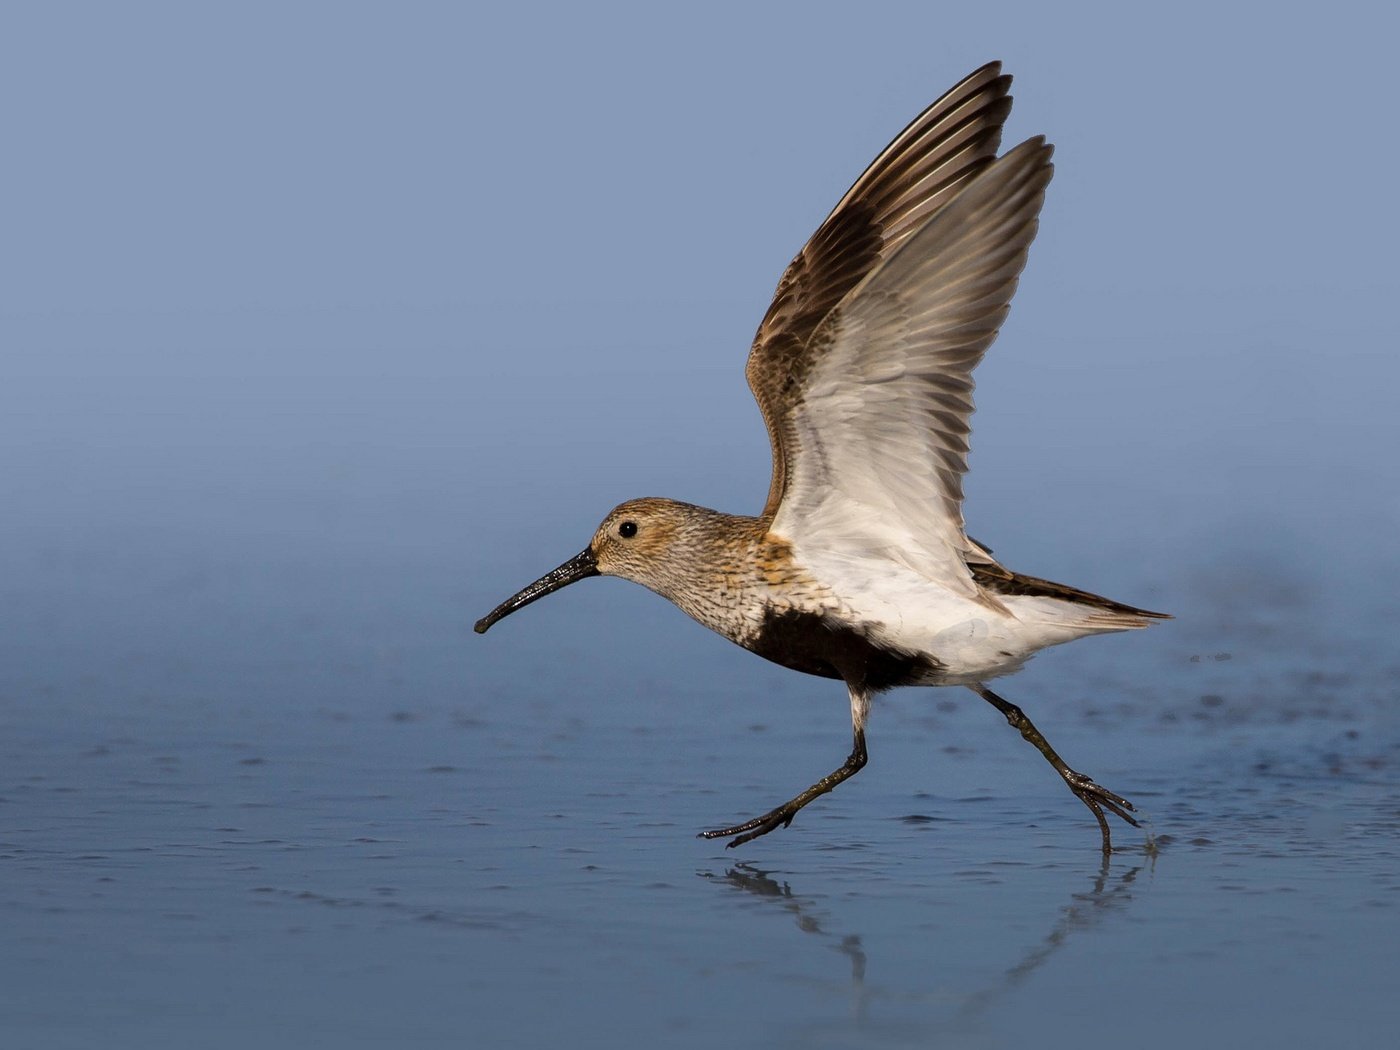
(335, 838)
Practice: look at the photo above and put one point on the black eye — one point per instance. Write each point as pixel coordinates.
(627, 529)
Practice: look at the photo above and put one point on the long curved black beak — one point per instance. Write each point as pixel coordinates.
(579, 567)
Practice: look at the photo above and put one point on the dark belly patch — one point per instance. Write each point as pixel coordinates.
(819, 645)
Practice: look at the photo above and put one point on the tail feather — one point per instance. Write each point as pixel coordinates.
(1094, 611)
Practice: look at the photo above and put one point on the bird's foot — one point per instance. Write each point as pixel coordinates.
(756, 828)
(1098, 798)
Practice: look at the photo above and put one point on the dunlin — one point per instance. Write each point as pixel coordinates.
(858, 567)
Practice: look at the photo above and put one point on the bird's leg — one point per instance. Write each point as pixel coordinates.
(1097, 798)
(782, 816)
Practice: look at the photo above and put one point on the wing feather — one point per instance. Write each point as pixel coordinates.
(876, 439)
(916, 175)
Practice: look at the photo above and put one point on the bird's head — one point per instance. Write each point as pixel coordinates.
(638, 540)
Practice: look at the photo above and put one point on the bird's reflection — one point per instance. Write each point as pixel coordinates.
(808, 917)
(1085, 909)
(1108, 894)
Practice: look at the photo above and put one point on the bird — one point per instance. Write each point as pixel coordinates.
(859, 566)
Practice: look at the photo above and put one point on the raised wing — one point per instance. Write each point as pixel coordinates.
(875, 435)
(918, 173)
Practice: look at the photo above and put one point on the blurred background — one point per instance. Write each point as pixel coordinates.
(324, 327)
(332, 307)
(313, 311)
